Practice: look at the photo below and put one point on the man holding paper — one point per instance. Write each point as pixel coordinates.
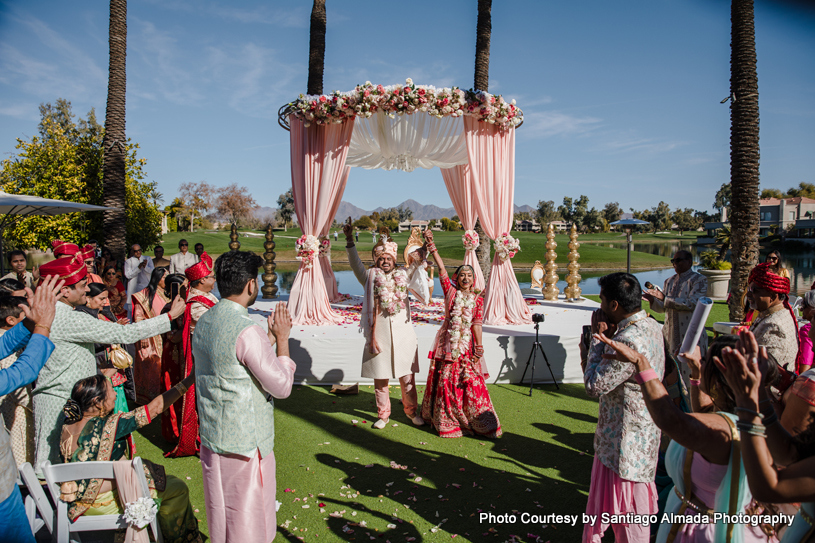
(679, 299)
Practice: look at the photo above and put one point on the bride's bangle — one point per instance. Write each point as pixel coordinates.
(431, 248)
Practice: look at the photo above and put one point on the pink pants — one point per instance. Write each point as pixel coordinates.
(610, 493)
(383, 398)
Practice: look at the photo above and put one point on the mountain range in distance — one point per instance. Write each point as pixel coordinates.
(420, 212)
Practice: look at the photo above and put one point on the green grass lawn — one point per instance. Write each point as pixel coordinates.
(533, 247)
(541, 465)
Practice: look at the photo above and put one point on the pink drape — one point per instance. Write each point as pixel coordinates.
(318, 177)
(491, 152)
(460, 187)
(129, 491)
(325, 262)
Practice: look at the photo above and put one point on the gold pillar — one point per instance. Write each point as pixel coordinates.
(573, 291)
(234, 244)
(269, 288)
(551, 278)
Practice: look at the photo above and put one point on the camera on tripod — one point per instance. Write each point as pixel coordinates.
(537, 317)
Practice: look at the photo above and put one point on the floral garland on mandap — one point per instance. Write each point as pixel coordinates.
(325, 247)
(470, 239)
(461, 318)
(367, 99)
(391, 290)
(506, 246)
(307, 248)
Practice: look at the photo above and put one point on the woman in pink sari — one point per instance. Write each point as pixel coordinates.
(147, 304)
(456, 400)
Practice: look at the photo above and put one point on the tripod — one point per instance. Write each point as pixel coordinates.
(535, 347)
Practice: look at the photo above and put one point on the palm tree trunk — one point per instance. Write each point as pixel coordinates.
(114, 141)
(744, 152)
(483, 32)
(316, 48)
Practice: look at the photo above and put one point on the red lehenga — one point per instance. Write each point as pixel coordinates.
(456, 400)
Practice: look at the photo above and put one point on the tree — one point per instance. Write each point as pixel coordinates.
(316, 48)
(722, 198)
(806, 190)
(235, 203)
(686, 220)
(115, 142)
(285, 208)
(405, 214)
(612, 212)
(197, 199)
(574, 211)
(65, 163)
(546, 213)
(660, 217)
(481, 81)
(594, 220)
(744, 152)
(364, 223)
(772, 193)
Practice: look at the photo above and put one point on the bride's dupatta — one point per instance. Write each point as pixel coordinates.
(98, 441)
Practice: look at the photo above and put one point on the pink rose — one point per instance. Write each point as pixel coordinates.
(322, 99)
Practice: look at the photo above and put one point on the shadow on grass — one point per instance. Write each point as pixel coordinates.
(521, 472)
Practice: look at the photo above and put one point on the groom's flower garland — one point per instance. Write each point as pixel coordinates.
(367, 99)
(506, 246)
(461, 317)
(391, 291)
(307, 249)
(470, 239)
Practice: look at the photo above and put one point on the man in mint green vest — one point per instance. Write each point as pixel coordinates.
(237, 373)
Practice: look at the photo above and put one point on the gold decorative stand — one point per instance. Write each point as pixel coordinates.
(573, 290)
(551, 291)
(269, 288)
(234, 244)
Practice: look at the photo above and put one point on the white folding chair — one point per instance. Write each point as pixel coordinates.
(35, 501)
(64, 529)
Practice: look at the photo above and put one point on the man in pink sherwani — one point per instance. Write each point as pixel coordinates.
(236, 375)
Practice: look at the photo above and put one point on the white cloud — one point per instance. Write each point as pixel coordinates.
(623, 144)
(297, 17)
(543, 124)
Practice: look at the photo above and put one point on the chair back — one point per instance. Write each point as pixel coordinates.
(36, 500)
(74, 471)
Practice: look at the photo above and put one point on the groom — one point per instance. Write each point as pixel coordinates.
(391, 346)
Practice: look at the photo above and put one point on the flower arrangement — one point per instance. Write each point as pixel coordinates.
(461, 319)
(470, 239)
(325, 247)
(141, 512)
(506, 246)
(391, 290)
(367, 99)
(307, 249)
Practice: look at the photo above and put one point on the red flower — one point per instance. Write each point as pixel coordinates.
(322, 99)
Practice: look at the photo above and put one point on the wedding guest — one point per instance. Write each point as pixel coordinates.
(182, 260)
(74, 334)
(159, 261)
(199, 250)
(93, 432)
(147, 304)
(420, 284)
(391, 346)
(15, 407)
(776, 265)
(138, 269)
(18, 263)
(701, 459)
(775, 325)
(626, 441)
(173, 360)
(765, 442)
(116, 292)
(234, 358)
(199, 300)
(803, 361)
(31, 335)
(64, 248)
(88, 255)
(456, 399)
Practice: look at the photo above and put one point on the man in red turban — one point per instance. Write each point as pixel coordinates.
(63, 248)
(89, 257)
(199, 300)
(775, 326)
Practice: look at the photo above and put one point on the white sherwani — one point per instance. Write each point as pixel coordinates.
(399, 347)
(682, 292)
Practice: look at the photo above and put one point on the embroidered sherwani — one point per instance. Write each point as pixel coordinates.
(776, 330)
(237, 375)
(74, 334)
(682, 292)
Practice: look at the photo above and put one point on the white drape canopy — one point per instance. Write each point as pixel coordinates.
(407, 142)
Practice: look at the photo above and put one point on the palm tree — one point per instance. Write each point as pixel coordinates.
(115, 151)
(483, 31)
(744, 151)
(316, 48)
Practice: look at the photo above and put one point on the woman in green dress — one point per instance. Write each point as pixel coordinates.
(93, 431)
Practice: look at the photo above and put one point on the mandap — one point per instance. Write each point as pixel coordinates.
(469, 135)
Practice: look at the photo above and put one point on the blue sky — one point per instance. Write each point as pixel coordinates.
(621, 98)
